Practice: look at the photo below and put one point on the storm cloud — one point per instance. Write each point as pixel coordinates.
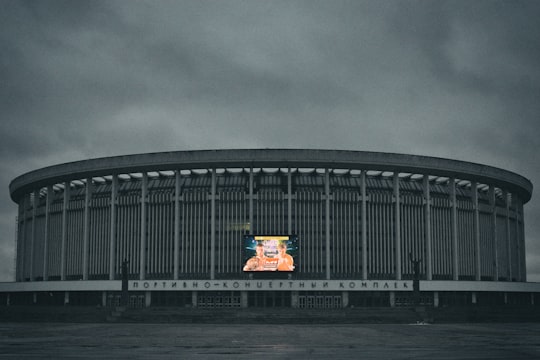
(86, 79)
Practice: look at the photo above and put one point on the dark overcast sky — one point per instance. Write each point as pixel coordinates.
(85, 79)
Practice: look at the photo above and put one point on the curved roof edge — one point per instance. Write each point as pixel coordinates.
(245, 158)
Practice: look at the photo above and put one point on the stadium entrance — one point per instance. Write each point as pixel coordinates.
(310, 300)
(218, 299)
(269, 299)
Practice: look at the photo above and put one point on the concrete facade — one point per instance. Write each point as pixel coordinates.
(358, 216)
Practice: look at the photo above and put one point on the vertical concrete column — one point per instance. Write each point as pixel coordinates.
(144, 202)
(392, 298)
(33, 234)
(427, 227)
(66, 297)
(213, 226)
(147, 298)
(104, 298)
(194, 299)
(243, 299)
(455, 254)
(521, 239)
(294, 299)
(436, 299)
(21, 239)
(397, 226)
(476, 225)
(327, 220)
(86, 229)
(50, 195)
(508, 238)
(289, 202)
(112, 248)
(364, 225)
(176, 262)
(251, 225)
(517, 244)
(473, 298)
(64, 231)
(493, 206)
(34, 297)
(345, 299)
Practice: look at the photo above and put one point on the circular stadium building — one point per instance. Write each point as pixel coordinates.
(272, 228)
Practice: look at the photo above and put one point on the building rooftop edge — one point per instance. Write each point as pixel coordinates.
(282, 157)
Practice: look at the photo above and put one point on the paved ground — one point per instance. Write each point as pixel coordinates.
(207, 341)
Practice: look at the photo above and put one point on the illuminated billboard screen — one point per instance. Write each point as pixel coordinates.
(270, 253)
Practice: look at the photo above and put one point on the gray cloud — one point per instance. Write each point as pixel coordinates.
(448, 78)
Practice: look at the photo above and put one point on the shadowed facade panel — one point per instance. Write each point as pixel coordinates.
(186, 221)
